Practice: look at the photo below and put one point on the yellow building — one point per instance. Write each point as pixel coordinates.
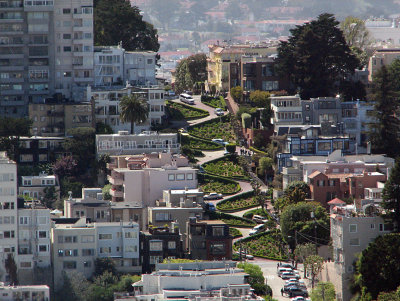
(220, 57)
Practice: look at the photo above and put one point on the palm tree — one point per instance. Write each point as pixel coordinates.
(133, 110)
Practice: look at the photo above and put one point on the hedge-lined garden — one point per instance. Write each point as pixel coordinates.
(227, 167)
(259, 211)
(267, 245)
(232, 220)
(199, 144)
(235, 233)
(214, 102)
(180, 111)
(238, 202)
(215, 128)
(217, 184)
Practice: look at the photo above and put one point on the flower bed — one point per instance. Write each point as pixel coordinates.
(214, 102)
(219, 185)
(235, 233)
(215, 128)
(231, 220)
(199, 144)
(179, 111)
(266, 245)
(226, 167)
(238, 203)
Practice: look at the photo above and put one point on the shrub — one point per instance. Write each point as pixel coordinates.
(238, 202)
(231, 147)
(179, 111)
(258, 211)
(235, 233)
(214, 102)
(226, 167)
(246, 120)
(232, 220)
(215, 128)
(217, 184)
(199, 144)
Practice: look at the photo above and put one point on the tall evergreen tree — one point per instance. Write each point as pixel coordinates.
(391, 194)
(384, 131)
(316, 56)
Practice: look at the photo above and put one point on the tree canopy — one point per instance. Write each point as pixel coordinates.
(316, 56)
(260, 99)
(117, 20)
(297, 218)
(256, 278)
(10, 131)
(391, 194)
(324, 291)
(378, 268)
(355, 32)
(297, 192)
(190, 71)
(236, 93)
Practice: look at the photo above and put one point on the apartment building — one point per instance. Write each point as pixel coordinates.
(24, 292)
(382, 57)
(105, 102)
(144, 143)
(46, 48)
(37, 186)
(352, 229)
(54, 118)
(143, 178)
(113, 65)
(76, 246)
(208, 239)
(8, 213)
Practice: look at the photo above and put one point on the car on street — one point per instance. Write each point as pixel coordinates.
(219, 141)
(219, 112)
(260, 219)
(213, 196)
(288, 275)
(299, 298)
(209, 206)
(283, 270)
(182, 130)
(248, 256)
(257, 229)
(284, 264)
(296, 292)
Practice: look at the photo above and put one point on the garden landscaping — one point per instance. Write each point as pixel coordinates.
(214, 102)
(235, 233)
(199, 144)
(258, 211)
(215, 128)
(227, 167)
(179, 111)
(238, 203)
(232, 221)
(267, 245)
(219, 185)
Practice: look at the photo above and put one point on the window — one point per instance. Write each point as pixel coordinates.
(42, 248)
(60, 253)
(189, 176)
(172, 245)
(218, 231)
(156, 245)
(42, 234)
(354, 242)
(331, 182)
(67, 48)
(131, 249)
(69, 265)
(217, 248)
(66, 36)
(385, 227)
(105, 250)
(155, 259)
(372, 226)
(171, 177)
(105, 236)
(9, 234)
(130, 235)
(66, 11)
(87, 264)
(164, 216)
(270, 85)
(26, 158)
(24, 220)
(70, 239)
(180, 177)
(87, 252)
(353, 228)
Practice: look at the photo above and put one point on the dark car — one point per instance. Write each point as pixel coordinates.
(295, 291)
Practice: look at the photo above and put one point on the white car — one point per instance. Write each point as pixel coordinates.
(219, 112)
(213, 196)
(219, 141)
(257, 229)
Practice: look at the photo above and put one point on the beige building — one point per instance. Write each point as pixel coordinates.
(25, 292)
(381, 57)
(36, 186)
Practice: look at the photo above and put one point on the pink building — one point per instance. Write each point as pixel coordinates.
(142, 178)
(327, 185)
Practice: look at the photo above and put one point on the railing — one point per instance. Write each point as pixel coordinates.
(139, 146)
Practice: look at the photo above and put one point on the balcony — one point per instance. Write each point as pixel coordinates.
(115, 180)
(111, 166)
(116, 193)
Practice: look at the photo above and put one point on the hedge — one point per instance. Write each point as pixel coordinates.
(235, 233)
(258, 211)
(240, 221)
(258, 151)
(207, 100)
(233, 159)
(203, 178)
(202, 113)
(234, 198)
(185, 139)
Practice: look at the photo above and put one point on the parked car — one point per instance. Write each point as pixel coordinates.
(295, 292)
(285, 265)
(248, 256)
(257, 229)
(283, 270)
(209, 206)
(213, 196)
(288, 275)
(220, 141)
(219, 112)
(182, 130)
(260, 219)
(299, 298)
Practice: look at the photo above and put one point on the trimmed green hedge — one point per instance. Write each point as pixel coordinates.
(258, 151)
(265, 245)
(235, 233)
(232, 204)
(258, 211)
(214, 102)
(214, 128)
(226, 167)
(180, 111)
(209, 183)
(232, 220)
(199, 144)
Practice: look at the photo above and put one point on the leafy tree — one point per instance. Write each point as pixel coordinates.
(65, 167)
(11, 129)
(50, 196)
(190, 71)
(106, 192)
(102, 265)
(394, 73)
(256, 278)
(257, 194)
(391, 194)
(133, 110)
(102, 162)
(388, 296)
(324, 291)
(316, 56)
(102, 128)
(69, 184)
(11, 269)
(297, 192)
(117, 20)
(297, 217)
(260, 99)
(265, 165)
(383, 132)
(350, 90)
(355, 32)
(246, 120)
(237, 93)
(378, 267)
(314, 264)
(303, 251)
